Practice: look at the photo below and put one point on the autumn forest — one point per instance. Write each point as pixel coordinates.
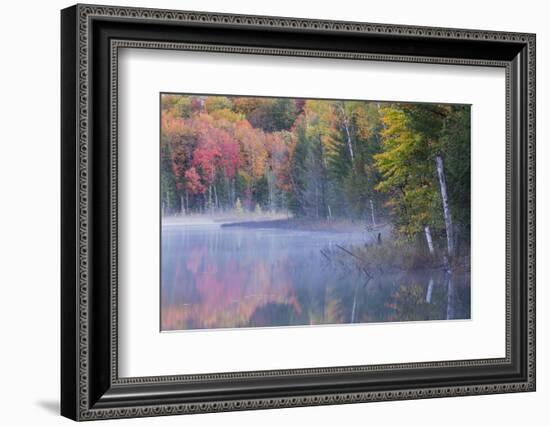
(399, 173)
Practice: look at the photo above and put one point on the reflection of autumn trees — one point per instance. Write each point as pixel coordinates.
(224, 295)
(409, 303)
(217, 283)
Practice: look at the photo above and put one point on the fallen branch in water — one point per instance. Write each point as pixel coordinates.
(376, 260)
(350, 253)
(325, 255)
(363, 268)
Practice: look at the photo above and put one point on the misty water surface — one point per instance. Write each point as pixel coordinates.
(218, 277)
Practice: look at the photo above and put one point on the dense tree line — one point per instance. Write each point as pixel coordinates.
(320, 159)
(425, 167)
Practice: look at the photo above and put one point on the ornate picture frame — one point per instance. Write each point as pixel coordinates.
(91, 37)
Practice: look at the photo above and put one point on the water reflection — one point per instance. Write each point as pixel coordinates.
(215, 277)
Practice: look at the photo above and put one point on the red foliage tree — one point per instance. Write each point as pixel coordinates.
(207, 154)
(230, 154)
(193, 182)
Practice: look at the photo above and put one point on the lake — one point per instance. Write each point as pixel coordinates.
(230, 277)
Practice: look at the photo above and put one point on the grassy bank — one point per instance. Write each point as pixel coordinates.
(395, 255)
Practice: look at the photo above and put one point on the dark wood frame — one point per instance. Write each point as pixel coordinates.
(91, 37)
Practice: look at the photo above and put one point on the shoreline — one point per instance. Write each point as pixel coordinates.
(338, 226)
(275, 221)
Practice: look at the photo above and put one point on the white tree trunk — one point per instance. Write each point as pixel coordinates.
(216, 204)
(372, 213)
(348, 138)
(430, 290)
(271, 189)
(429, 239)
(450, 297)
(446, 208)
(354, 306)
(348, 135)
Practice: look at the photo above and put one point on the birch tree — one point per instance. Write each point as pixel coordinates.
(407, 176)
(420, 141)
(446, 208)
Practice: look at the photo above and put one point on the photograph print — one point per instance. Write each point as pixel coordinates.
(280, 212)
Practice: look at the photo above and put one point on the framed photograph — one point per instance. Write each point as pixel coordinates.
(263, 212)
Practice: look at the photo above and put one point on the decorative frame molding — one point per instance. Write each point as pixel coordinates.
(91, 388)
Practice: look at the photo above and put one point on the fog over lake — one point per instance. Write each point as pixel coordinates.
(227, 277)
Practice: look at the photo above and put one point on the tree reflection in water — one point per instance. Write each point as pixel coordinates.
(216, 277)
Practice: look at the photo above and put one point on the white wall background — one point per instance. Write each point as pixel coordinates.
(29, 211)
